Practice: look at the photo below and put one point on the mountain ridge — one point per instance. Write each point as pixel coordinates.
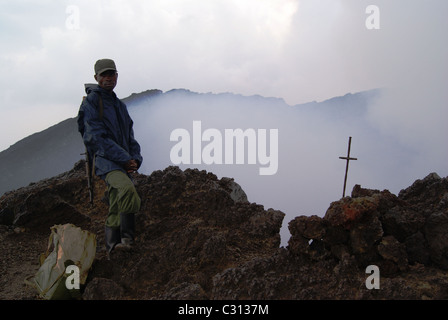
(55, 149)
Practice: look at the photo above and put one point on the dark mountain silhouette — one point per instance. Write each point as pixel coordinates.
(46, 153)
(54, 150)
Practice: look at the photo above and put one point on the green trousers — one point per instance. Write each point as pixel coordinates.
(123, 197)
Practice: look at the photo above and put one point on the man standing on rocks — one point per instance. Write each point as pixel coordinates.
(107, 132)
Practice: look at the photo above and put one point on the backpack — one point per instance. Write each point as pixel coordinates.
(63, 271)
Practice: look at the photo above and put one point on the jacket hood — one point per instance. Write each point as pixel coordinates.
(94, 87)
(89, 87)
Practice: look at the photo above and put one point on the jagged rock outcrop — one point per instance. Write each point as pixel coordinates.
(200, 238)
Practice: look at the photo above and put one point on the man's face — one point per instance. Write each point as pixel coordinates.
(107, 80)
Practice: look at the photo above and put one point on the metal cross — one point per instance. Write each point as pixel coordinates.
(346, 167)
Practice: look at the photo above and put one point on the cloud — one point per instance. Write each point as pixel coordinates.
(204, 46)
(415, 69)
(310, 140)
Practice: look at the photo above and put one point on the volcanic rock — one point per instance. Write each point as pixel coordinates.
(198, 237)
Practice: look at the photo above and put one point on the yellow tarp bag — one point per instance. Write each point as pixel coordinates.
(63, 271)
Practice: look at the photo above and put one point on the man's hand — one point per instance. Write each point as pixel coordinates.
(131, 166)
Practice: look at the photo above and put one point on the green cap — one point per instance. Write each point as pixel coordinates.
(104, 65)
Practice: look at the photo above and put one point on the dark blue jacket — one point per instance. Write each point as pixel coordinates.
(109, 139)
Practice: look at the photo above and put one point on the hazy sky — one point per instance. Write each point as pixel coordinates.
(299, 50)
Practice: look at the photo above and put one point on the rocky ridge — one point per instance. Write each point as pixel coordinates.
(200, 238)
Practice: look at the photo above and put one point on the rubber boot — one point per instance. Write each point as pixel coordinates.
(127, 230)
(112, 238)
